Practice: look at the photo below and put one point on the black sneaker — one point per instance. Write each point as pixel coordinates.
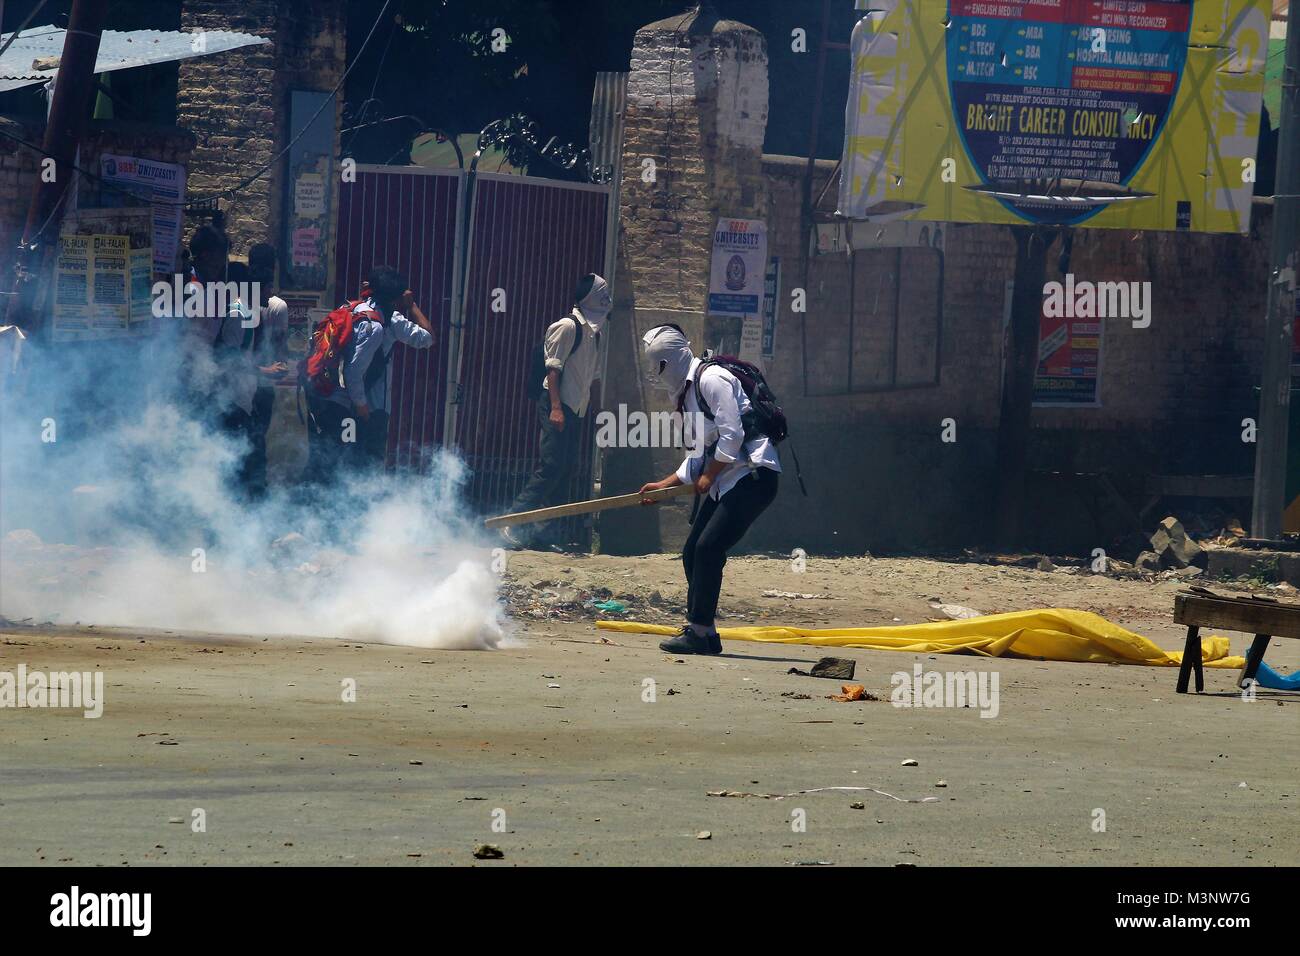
(688, 642)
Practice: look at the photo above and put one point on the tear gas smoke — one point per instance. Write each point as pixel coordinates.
(119, 506)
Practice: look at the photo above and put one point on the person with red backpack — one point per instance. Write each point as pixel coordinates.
(347, 374)
(735, 477)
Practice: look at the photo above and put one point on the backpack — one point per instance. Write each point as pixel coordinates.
(537, 364)
(319, 369)
(765, 416)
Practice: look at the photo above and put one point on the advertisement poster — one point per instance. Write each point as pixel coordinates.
(1118, 114)
(163, 185)
(1069, 362)
(771, 298)
(110, 283)
(738, 267)
(306, 248)
(309, 195)
(141, 266)
(751, 340)
(72, 286)
(91, 287)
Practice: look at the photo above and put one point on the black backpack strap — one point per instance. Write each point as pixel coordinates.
(699, 397)
(577, 334)
(797, 474)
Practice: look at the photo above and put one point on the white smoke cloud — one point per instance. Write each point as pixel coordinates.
(131, 517)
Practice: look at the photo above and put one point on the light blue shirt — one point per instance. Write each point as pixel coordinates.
(373, 342)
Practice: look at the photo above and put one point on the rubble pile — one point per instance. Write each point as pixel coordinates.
(543, 599)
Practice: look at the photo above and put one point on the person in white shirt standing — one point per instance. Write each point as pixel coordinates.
(573, 351)
(736, 475)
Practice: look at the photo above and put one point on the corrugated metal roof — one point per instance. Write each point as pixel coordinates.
(118, 50)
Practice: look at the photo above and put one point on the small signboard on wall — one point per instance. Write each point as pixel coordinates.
(1069, 362)
(309, 194)
(738, 267)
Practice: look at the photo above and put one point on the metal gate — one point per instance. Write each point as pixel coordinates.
(529, 240)
(408, 218)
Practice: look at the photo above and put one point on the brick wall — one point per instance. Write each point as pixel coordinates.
(228, 101)
(1172, 395)
(19, 169)
(237, 103)
(880, 476)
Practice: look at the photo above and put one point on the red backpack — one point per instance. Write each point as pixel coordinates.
(329, 339)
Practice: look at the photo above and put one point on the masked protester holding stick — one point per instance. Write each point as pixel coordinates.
(735, 475)
(565, 366)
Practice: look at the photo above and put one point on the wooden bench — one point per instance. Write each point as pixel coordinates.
(1263, 617)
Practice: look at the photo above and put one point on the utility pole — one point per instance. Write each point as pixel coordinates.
(1021, 363)
(74, 86)
(1275, 387)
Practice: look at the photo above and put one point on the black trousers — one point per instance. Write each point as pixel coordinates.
(718, 527)
(558, 457)
(237, 424)
(325, 445)
(328, 454)
(372, 440)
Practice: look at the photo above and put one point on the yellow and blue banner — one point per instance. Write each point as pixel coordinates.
(1119, 114)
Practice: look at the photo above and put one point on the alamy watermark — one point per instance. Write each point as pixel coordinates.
(946, 689)
(622, 428)
(75, 690)
(195, 300)
(1098, 300)
(130, 910)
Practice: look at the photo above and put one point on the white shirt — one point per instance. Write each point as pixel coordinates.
(275, 329)
(228, 376)
(727, 401)
(578, 367)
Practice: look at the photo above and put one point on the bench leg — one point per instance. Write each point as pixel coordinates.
(1256, 654)
(1191, 660)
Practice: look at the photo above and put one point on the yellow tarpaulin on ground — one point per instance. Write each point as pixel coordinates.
(1053, 634)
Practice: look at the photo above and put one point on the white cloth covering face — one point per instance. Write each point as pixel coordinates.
(596, 305)
(668, 358)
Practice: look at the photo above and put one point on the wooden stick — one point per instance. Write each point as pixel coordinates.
(587, 507)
